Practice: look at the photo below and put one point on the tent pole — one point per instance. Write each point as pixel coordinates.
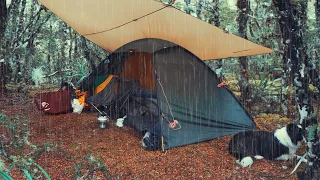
(104, 113)
(162, 144)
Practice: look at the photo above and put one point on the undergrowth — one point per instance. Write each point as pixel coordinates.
(17, 153)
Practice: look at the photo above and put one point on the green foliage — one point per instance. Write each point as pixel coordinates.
(18, 129)
(28, 175)
(37, 75)
(79, 72)
(14, 154)
(17, 157)
(228, 18)
(36, 38)
(43, 171)
(2, 165)
(312, 132)
(5, 175)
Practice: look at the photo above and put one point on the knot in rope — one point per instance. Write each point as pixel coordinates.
(222, 84)
(173, 124)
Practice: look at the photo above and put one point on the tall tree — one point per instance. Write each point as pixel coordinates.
(292, 18)
(215, 19)
(187, 4)
(314, 72)
(215, 13)
(244, 9)
(317, 5)
(4, 66)
(199, 8)
(88, 54)
(3, 17)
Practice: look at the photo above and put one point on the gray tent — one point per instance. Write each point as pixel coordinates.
(182, 86)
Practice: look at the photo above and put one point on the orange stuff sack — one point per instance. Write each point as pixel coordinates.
(103, 84)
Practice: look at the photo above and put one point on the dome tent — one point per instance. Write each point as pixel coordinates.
(163, 48)
(181, 84)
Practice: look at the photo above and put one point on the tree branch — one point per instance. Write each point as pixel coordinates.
(32, 34)
(13, 4)
(35, 18)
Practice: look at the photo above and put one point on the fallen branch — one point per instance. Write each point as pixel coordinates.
(52, 74)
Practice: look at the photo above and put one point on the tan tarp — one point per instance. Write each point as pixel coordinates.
(113, 23)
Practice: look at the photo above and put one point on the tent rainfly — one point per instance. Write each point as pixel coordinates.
(163, 49)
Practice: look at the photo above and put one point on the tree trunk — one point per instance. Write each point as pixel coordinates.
(76, 50)
(199, 8)
(188, 4)
(87, 54)
(18, 75)
(63, 47)
(215, 19)
(70, 45)
(314, 72)
(317, 5)
(215, 13)
(244, 9)
(3, 18)
(21, 15)
(13, 13)
(292, 18)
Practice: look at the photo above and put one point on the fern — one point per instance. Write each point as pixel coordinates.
(312, 132)
(2, 165)
(37, 75)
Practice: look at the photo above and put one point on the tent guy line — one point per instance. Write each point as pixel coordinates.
(127, 22)
(242, 51)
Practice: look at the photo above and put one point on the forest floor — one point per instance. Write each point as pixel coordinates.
(120, 148)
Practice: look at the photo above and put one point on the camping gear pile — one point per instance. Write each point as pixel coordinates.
(54, 102)
(155, 75)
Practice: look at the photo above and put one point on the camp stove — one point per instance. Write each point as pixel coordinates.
(102, 120)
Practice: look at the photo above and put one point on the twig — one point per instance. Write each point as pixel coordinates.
(102, 169)
(254, 17)
(32, 34)
(79, 165)
(31, 22)
(4, 153)
(56, 73)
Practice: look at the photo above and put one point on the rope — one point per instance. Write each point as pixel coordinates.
(126, 22)
(175, 122)
(165, 98)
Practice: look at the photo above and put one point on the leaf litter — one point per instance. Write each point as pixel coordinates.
(120, 148)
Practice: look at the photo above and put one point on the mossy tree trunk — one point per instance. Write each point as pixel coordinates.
(243, 9)
(188, 4)
(292, 20)
(3, 18)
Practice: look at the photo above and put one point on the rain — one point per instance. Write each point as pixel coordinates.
(159, 89)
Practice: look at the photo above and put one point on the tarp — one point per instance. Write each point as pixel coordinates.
(113, 23)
